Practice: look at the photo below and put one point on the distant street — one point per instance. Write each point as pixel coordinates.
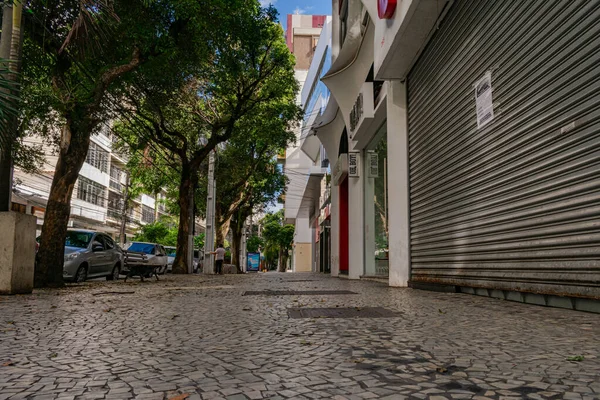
(198, 337)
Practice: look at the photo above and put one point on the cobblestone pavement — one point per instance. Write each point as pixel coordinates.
(199, 338)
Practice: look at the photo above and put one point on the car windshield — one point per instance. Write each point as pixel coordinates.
(78, 239)
(171, 252)
(146, 248)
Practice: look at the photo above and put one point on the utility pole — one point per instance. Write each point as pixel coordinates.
(191, 232)
(6, 150)
(124, 212)
(243, 254)
(209, 241)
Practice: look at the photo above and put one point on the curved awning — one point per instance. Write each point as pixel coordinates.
(350, 69)
(330, 128)
(311, 146)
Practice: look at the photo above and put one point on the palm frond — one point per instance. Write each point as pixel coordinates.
(8, 104)
(92, 27)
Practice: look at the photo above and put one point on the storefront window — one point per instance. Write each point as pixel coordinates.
(376, 207)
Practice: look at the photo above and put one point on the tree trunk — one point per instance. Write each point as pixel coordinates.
(236, 242)
(281, 266)
(186, 185)
(50, 257)
(221, 227)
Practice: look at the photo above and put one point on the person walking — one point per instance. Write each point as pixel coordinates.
(220, 257)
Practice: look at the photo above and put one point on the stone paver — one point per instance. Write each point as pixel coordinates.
(198, 336)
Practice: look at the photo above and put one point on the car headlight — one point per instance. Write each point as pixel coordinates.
(70, 257)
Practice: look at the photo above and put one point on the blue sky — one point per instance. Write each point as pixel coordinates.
(285, 7)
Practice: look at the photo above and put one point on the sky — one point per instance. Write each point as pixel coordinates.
(285, 7)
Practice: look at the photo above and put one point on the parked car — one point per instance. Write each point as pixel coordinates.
(90, 254)
(155, 253)
(198, 258)
(171, 251)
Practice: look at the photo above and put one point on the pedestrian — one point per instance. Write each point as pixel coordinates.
(220, 257)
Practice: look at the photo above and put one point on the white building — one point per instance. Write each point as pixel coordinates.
(304, 36)
(97, 201)
(463, 140)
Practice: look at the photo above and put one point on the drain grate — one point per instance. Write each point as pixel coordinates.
(350, 312)
(296, 292)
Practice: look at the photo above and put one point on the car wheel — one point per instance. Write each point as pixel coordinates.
(81, 274)
(114, 276)
(164, 270)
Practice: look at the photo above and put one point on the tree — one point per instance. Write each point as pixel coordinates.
(248, 175)
(278, 238)
(77, 53)
(254, 243)
(250, 73)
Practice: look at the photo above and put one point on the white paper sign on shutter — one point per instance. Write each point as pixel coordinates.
(353, 164)
(373, 164)
(483, 100)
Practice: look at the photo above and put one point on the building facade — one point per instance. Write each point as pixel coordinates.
(303, 38)
(98, 197)
(464, 137)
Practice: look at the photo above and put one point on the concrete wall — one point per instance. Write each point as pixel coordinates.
(17, 252)
(303, 51)
(303, 257)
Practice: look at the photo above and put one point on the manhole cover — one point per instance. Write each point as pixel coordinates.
(350, 312)
(296, 292)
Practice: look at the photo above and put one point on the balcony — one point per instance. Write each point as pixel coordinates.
(116, 185)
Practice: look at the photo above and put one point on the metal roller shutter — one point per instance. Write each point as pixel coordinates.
(514, 205)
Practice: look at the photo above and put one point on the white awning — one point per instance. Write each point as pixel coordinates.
(311, 146)
(350, 69)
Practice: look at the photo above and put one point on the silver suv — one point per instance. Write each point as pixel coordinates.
(90, 254)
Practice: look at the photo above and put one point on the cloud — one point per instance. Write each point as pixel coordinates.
(265, 3)
(299, 10)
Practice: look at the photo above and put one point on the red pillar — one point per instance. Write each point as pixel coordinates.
(344, 261)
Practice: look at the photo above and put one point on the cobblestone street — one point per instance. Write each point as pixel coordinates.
(198, 337)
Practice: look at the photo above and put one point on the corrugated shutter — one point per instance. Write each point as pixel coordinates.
(514, 205)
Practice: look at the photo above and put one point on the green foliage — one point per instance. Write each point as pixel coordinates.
(9, 91)
(277, 236)
(163, 231)
(254, 243)
(198, 241)
(243, 94)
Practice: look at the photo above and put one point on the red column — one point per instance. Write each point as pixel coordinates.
(344, 226)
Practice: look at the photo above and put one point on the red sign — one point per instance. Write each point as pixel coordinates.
(386, 8)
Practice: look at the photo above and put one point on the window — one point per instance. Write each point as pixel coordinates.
(147, 214)
(78, 239)
(115, 205)
(20, 208)
(115, 178)
(343, 21)
(91, 192)
(97, 157)
(98, 241)
(108, 242)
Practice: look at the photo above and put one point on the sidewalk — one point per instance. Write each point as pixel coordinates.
(199, 337)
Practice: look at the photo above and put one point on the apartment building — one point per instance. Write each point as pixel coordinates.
(98, 197)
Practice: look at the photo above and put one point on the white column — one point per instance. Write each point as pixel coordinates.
(356, 223)
(398, 184)
(335, 230)
(369, 222)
